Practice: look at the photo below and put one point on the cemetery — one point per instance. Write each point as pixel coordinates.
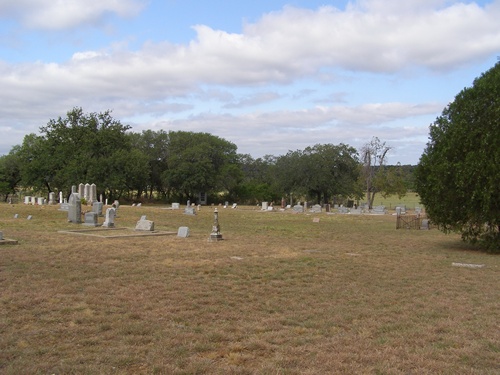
(252, 290)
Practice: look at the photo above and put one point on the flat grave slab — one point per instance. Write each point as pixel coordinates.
(7, 241)
(116, 232)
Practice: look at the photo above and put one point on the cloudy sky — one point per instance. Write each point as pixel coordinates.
(268, 75)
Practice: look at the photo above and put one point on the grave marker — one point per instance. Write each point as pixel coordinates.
(183, 232)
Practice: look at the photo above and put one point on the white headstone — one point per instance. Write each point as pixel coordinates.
(183, 232)
(74, 208)
(109, 221)
(264, 206)
(27, 199)
(93, 194)
(91, 219)
(176, 206)
(81, 190)
(86, 193)
(145, 225)
(60, 197)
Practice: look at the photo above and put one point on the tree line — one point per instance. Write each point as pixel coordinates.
(178, 165)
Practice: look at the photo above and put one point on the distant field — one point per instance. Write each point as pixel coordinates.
(411, 200)
(281, 294)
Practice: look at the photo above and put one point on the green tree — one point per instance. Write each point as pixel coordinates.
(458, 176)
(77, 148)
(320, 172)
(155, 145)
(199, 162)
(10, 173)
(377, 177)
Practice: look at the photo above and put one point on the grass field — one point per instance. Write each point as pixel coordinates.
(281, 294)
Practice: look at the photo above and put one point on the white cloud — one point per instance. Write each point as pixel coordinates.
(279, 50)
(65, 14)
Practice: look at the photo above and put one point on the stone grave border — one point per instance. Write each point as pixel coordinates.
(105, 233)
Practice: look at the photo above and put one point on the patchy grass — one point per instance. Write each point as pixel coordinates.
(279, 295)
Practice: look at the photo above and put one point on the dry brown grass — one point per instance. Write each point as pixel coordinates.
(279, 295)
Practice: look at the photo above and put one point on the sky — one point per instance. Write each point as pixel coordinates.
(270, 76)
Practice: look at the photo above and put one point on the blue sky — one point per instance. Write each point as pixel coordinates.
(269, 76)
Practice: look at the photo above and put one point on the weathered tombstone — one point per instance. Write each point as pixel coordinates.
(27, 199)
(81, 190)
(109, 221)
(90, 219)
(398, 211)
(30, 217)
(97, 208)
(52, 198)
(145, 225)
(316, 208)
(316, 220)
(16, 216)
(176, 206)
(64, 206)
(298, 208)
(74, 207)
(188, 203)
(143, 217)
(183, 232)
(356, 211)
(305, 206)
(215, 235)
(189, 211)
(139, 204)
(378, 210)
(86, 194)
(264, 206)
(93, 194)
(234, 205)
(33, 200)
(327, 207)
(60, 197)
(40, 201)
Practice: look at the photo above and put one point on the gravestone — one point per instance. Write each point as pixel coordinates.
(298, 208)
(97, 208)
(145, 225)
(264, 206)
(16, 216)
(176, 206)
(356, 211)
(215, 235)
(86, 194)
(30, 217)
(27, 199)
(40, 201)
(342, 210)
(74, 207)
(189, 211)
(183, 232)
(93, 194)
(316, 208)
(378, 210)
(90, 219)
(60, 197)
(64, 207)
(52, 198)
(81, 190)
(109, 221)
(305, 206)
(1, 235)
